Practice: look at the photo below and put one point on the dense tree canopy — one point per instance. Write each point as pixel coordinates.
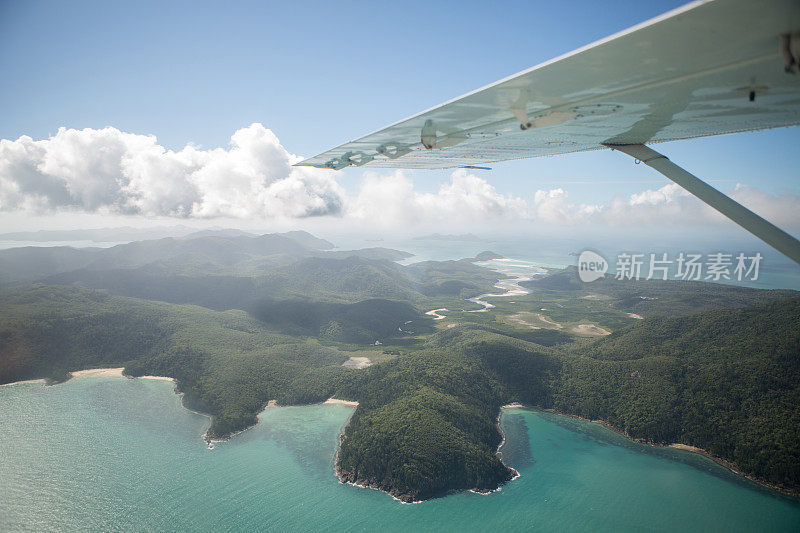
(709, 366)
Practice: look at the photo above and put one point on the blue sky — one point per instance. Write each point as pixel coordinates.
(317, 73)
(321, 73)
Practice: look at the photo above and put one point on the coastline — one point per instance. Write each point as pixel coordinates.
(498, 451)
(92, 372)
(340, 475)
(344, 478)
(676, 446)
(157, 378)
(332, 401)
(98, 372)
(118, 373)
(271, 403)
(24, 381)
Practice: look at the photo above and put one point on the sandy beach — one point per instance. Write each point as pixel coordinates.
(110, 372)
(24, 381)
(677, 446)
(115, 372)
(342, 402)
(97, 372)
(688, 448)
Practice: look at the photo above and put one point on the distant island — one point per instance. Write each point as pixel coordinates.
(465, 237)
(240, 321)
(118, 234)
(488, 256)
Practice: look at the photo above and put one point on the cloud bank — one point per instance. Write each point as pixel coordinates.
(107, 170)
(113, 172)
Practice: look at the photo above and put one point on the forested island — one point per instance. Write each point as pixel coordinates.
(241, 320)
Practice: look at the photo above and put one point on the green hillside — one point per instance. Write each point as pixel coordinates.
(712, 366)
(228, 364)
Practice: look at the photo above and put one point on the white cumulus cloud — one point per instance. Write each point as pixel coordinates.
(107, 170)
(672, 205)
(553, 207)
(390, 199)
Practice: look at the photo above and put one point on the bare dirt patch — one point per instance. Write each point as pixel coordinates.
(533, 321)
(358, 362)
(589, 330)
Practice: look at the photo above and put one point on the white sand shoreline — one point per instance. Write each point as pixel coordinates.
(157, 378)
(95, 372)
(116, 372)
(724, 463)
(24, 381)
(330, 401)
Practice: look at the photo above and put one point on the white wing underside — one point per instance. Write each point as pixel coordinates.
(688, 73)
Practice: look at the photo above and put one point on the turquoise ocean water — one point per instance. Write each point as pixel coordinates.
(101, 453)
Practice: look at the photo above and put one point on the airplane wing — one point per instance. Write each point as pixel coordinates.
(708, 68)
